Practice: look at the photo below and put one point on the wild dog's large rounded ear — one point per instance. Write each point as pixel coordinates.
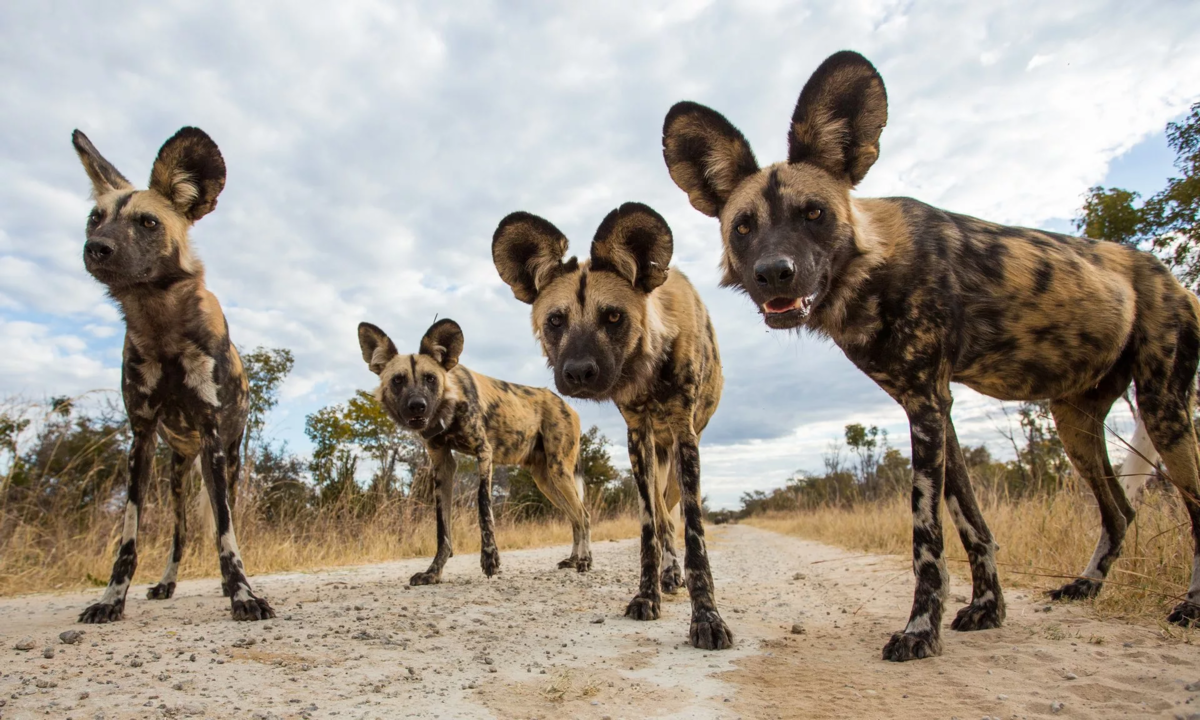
(528, 252)
(839, 117)
(706, 155)
(105, 178)
(190, 172)
(443, 342)
(377, 348)
(634, 242)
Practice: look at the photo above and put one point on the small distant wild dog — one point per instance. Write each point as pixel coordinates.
(181, 377)
(455, 409)
(622, 326)
(918, 297)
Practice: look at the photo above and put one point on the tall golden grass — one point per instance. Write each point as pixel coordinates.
(60, 556)
(1044, 541)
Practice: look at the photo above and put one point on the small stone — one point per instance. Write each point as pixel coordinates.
(1070, 676)
(598, 620)
(798, 629)
(799, 576)
(25, 643)
(1001, 698)
(135, 663)
(70, 637)
(48, 653)
(1056, 707)
(1192, 687)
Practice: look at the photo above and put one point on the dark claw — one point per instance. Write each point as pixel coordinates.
(1185, 614)
(584, 563)
(255, 608)
(642, 608)
(917, 646)
(1080, 589)
(101, 613)
(709, 631)
(978, 616)
(425, 578)
(161, 592)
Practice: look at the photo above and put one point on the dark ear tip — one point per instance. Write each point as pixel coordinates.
(633, 207)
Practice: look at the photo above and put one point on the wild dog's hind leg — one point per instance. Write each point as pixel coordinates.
(646, 605)
(489, 554)
(564, 489)
(442, 467)
(1080, 423)
(922, 637)
(215, 467)
(141, 456)
(1166, 392)
(166, 587)
(667, 497)
(986, 610)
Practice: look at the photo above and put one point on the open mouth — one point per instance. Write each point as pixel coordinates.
(416, 423)
(801, 306)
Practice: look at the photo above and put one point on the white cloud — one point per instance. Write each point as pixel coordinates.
(373, 146)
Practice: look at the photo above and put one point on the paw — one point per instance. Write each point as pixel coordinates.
(489, 560)
(584, 563)
(672, 579)
(709, 631)
(642, 608)
(1185, 614)
(425, 578)
(978, 616)
(161, 591)
(103, 613)
(252, 608)
(912, 646)
(571, 562)
(1080, 589)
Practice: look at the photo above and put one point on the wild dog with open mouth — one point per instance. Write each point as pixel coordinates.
(455, 409)
(622, 326)
(918, 297)
(181, 377)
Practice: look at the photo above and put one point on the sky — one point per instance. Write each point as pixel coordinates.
(372, 147)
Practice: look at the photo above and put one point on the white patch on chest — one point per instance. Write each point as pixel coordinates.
(198, 374)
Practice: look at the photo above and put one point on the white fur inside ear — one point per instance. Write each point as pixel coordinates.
(379, 359)
(183, 190)
(438, 352)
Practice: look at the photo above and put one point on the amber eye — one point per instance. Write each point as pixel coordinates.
(556, 320)
(431, 381)
(94, 218)
(742, 229)
(614, 317)
(813, 214)
(149, 222)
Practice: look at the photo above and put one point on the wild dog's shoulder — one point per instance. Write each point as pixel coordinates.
(493, 390)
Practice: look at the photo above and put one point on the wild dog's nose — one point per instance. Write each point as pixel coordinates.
(774, 272)
(580, 372)
(98, 250)
(417, 406)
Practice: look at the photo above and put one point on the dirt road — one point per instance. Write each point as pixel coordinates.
(542, 643)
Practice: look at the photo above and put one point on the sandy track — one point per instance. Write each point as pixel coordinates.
(538, 642)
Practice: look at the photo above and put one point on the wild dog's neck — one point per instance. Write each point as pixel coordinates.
(157, 313)
(877, 226)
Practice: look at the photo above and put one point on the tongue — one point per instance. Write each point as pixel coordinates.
(780, 305)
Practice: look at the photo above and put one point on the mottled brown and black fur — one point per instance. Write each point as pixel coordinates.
(622, 326)
(918, 297)
(181, 377)
(497, 422)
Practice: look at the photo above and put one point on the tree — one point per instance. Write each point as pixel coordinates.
(1169, 221)
(381, 439)
(266, 369)
(865, 443)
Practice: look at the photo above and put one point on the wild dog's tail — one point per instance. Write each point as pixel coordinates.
(1138, 465)
(202, 505)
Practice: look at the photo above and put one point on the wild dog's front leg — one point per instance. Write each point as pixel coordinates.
(442, 467)
(214, 466)
(489, 555)
(646, 604)
(667, 497)
(166, 587)
(986, 610)
(708, 631)
(112, 606)
(927, 419)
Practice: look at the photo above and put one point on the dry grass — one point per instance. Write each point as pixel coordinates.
(1044, 541)
(44, 557)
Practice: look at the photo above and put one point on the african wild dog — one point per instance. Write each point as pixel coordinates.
(181, 377)
(622, 326)
(453, 408)
(918, 297)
